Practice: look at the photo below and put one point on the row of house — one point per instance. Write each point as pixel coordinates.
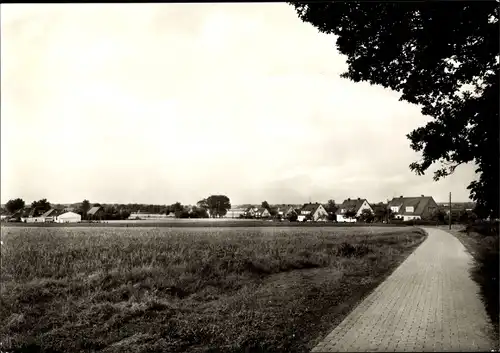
(404, 208)
(66, 215)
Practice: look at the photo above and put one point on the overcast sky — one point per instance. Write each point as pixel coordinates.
(157, 103)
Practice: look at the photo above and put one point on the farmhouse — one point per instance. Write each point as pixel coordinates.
(315, 211)
(356, 206)
(408, 208)
(262, 213)
(96, 212)
(250, 211)
(285, 211)
(68, 217)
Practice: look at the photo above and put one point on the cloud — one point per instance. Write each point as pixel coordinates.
(160, 103)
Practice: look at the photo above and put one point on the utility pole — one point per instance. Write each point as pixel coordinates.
(449, 215)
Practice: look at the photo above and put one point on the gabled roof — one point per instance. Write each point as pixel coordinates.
(349, 204)
(68, 213)
(52, 213)
(311, 207)
(285, 209)
(418, 204)
(94, 210)
(261, 210)
(238, 209)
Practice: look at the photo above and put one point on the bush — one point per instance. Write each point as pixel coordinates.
(484, 228)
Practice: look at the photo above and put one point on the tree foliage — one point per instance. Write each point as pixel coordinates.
(14, 205)
(430, 52)
(85, 207)
(331, 206)
(41, 206)
(350, 213)
(217, 205)
(366, 216)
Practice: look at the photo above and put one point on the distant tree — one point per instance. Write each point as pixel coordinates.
(331, 207)
(124, 214)
(350, 213)
(464, 217)
(292, 217)
(394, 44)
(366, 216)
(379, 213)
(111, 213)
(40, 206)
(198, 212)
(96, 205)
(202, 204)
(178, 209)
(265, 205)
(218, 205)
(85, 207)
(273, 211)
(14, 205)
(438, 216)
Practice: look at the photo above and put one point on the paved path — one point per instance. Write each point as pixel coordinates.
(428, 304)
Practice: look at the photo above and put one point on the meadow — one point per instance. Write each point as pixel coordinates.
(226, 289)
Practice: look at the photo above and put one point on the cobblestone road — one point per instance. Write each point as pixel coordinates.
(429, 304)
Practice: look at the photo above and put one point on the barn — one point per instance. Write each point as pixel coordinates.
(69, 217)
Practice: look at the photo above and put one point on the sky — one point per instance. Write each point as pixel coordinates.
(158, 103)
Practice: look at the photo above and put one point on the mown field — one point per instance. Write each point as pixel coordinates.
(187, 289)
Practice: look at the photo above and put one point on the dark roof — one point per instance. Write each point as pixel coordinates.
(418, 204)
(311, 207)
(94, 210)
(261, 209)
(348, 204)
(49, 213)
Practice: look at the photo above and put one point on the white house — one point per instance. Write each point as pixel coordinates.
(251, 211)
(408, 208)
(355, 205)
(285, 211)
(315, 210)
(68, 217)
(262, 213)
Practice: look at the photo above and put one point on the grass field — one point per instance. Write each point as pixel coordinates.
(187, 289)
(484, 247)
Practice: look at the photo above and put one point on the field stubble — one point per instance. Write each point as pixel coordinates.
(196, 289)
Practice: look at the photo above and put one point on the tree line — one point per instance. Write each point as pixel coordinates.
(213, 206)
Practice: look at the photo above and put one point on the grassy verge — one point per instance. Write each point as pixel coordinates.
(197, 290)
(484, 247)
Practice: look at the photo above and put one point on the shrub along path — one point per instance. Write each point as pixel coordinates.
(428, 304)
